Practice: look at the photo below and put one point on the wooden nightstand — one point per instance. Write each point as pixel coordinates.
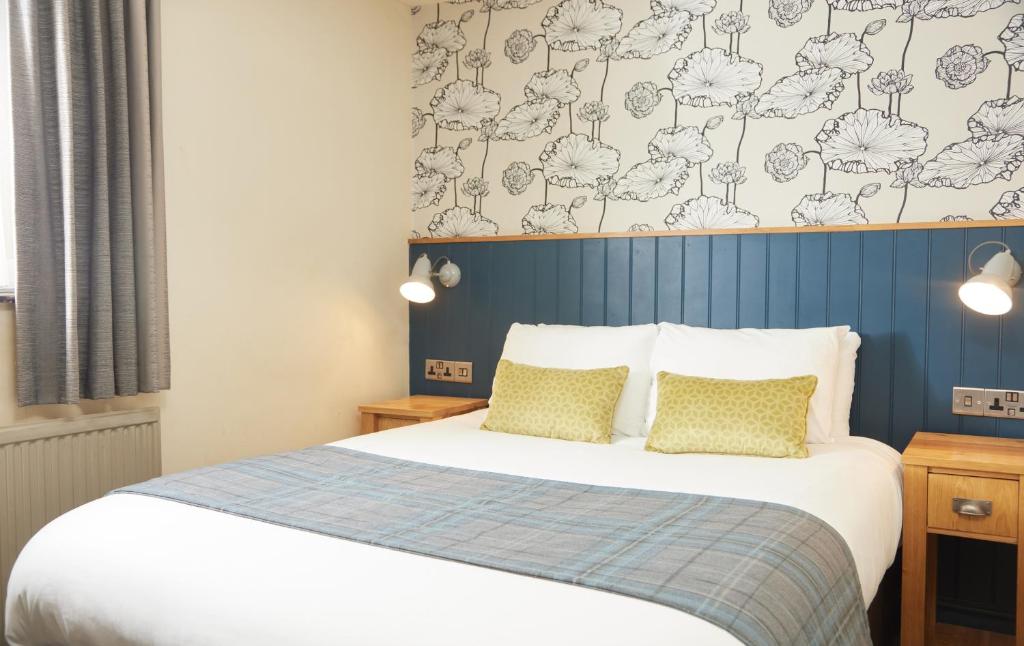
(406, 411)
(959, 485)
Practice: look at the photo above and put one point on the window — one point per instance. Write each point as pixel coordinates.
(6, 233)
(6, 247)
(6, 164)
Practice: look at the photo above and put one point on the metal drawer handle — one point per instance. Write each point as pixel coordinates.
(969, 507)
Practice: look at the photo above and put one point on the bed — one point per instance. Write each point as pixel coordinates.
(131, 569)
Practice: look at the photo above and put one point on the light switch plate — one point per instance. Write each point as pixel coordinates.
(969, 401)
(463, 372)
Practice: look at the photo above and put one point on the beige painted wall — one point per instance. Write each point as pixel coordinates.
(286, 128)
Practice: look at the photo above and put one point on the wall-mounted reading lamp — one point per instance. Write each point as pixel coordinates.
(419, 288)
(990, 291)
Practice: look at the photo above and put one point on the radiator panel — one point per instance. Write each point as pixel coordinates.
(49, 468)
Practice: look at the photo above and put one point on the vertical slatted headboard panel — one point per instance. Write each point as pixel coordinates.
(897, 288)
(51, 467)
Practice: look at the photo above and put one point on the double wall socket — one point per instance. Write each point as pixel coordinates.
(988, 402)
(460, 372)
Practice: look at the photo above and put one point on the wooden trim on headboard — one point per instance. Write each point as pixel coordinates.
(973, 224)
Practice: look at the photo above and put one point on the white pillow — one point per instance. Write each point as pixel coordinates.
(571, 346)
(846, 374)
(754, 354)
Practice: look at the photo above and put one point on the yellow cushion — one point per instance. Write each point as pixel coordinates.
(699, 415)
(557, 403)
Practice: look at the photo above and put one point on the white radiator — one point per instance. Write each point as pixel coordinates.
(51, 467)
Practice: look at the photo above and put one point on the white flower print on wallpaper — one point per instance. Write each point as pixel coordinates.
(567, 116)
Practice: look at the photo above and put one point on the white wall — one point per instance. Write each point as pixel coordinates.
(286, 130)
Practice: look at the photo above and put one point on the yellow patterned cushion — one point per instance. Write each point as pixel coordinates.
(700, 415)
(557, 403)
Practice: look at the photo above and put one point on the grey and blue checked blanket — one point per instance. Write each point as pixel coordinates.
(766, 573)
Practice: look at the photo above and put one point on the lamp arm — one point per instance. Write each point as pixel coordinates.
(970, 258)
(437, 263)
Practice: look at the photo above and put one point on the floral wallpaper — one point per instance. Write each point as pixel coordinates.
(565, 116)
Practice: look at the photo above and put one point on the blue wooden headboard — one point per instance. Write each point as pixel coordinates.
(897, 288)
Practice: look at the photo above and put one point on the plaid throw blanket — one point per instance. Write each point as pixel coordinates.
(766, 573)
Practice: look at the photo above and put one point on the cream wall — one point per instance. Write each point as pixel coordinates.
(286, 234)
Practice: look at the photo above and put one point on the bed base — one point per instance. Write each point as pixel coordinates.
(884, 612)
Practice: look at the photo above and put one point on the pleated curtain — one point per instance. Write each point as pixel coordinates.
(91, 294)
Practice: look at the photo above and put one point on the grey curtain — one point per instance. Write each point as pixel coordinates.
(91, 299)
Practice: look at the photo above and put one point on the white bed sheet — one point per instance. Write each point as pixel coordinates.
(129, 569)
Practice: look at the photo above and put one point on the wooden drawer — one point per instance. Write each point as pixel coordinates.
(943, 488)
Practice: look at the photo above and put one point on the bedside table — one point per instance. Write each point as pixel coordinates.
(407, 411)
(959, 485)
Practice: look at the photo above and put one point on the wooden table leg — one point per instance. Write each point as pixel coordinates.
(368, 423)
(930, 587)
(914, 613)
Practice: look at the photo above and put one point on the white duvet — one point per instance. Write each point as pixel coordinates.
(129, 569)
